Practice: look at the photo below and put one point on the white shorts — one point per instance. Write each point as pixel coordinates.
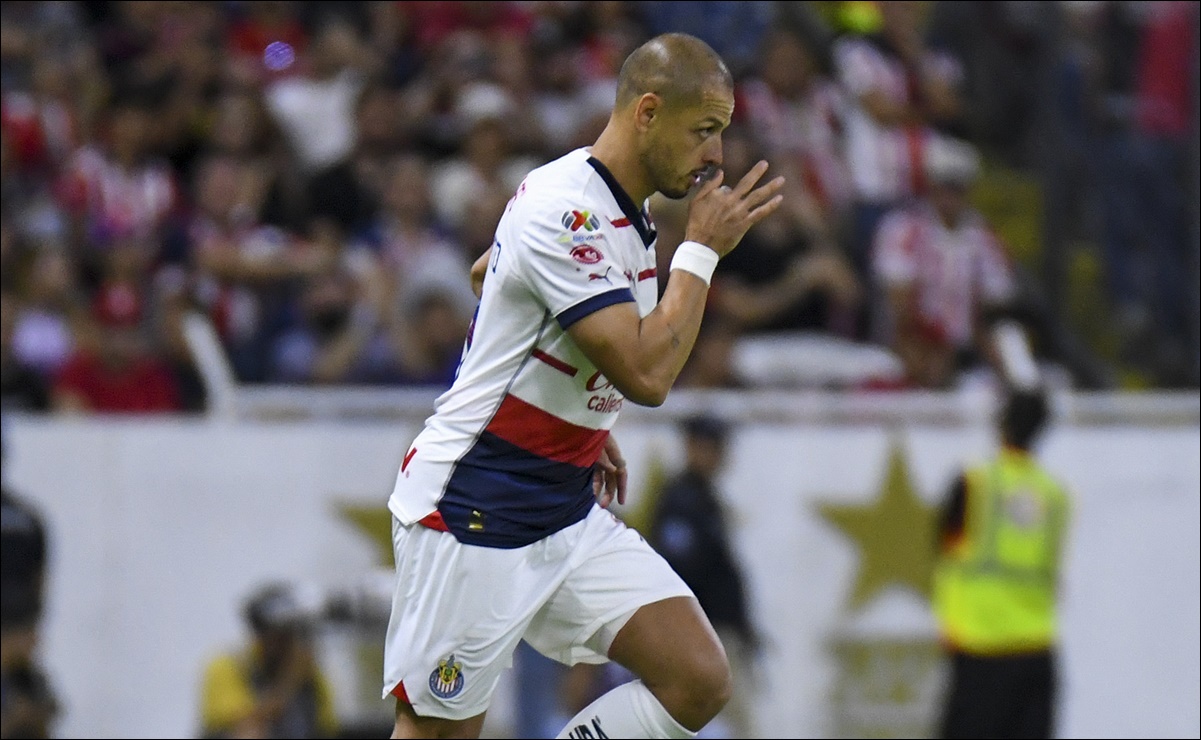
(459, 611)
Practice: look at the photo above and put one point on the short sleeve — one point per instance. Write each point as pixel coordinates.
(892, 253)
(568, 259)
(228, 698)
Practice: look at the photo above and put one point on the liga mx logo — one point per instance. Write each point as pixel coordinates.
(446, 681)
(575, 219)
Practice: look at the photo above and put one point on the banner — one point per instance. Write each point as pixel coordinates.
(160, 528)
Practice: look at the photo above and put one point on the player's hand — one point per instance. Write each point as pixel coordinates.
(719, 216)
(479, 270)
(609, 476)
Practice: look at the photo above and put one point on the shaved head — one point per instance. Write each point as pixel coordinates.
(675, 96)
(677, 67)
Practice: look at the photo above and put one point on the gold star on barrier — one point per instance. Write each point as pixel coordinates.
(376, 523)
(894, 534)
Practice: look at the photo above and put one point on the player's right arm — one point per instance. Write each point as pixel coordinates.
(642, 356)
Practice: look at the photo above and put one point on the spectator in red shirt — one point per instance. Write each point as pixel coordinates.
(118, 375)
(435, 22)
(41, 122)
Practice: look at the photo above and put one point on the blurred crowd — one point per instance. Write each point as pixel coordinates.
(317, 177)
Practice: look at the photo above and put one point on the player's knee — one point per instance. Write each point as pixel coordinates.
(709, 681)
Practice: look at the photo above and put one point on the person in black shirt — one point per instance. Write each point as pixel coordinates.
(27, 702)
(690, 530)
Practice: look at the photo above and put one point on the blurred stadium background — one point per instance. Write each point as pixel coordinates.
(236, 238)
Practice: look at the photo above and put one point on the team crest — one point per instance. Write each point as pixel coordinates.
(576, 220)
(587, 254)
(446, 681)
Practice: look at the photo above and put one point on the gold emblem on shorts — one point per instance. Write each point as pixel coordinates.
(446, 681)
(476, 522)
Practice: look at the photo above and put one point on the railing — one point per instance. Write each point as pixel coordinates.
(229, 400)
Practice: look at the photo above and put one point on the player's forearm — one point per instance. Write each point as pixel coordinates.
(666, 337)
(642, 356)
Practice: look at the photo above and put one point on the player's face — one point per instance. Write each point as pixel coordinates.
(685, 147)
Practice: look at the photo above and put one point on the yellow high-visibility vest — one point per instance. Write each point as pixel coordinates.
(995, 590)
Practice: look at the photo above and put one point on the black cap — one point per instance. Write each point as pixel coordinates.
(1023, 417)
(707, 427)
(275, 607)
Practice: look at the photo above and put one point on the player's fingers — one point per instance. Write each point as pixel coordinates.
(605, 460)
(604, 498)
(711, 184)
(623, 480)
(761, 195)
(749, 179)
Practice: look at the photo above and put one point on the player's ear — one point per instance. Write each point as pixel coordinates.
(646, 109)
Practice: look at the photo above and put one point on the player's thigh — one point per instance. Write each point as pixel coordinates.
(458, 612)
(614, 573)
(409, 725)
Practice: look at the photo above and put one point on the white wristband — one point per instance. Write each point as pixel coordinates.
(696, 258)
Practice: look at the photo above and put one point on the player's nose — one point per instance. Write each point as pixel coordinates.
(712, 153)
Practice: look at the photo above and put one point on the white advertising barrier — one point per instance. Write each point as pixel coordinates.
(160, 528)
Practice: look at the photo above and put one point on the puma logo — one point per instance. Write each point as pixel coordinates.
(601, 275)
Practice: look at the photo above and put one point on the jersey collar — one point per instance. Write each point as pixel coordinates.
(636, 216)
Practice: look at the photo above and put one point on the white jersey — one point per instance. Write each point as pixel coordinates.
(507, 456)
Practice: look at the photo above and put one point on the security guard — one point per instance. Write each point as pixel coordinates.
(996, 583)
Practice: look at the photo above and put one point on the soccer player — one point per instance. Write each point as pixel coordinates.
(499, 527)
